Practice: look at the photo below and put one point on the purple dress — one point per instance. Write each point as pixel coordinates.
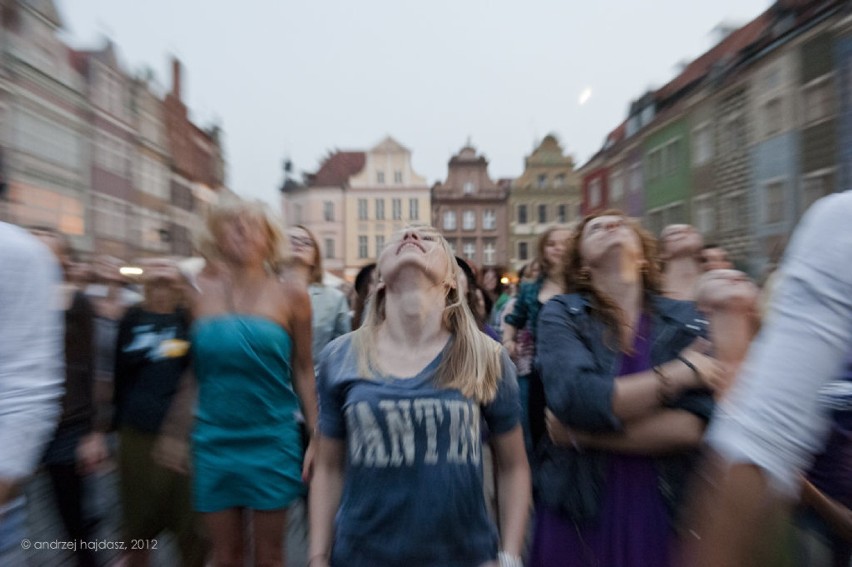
(633, 527)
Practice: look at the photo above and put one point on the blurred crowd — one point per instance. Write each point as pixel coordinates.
(650, 405)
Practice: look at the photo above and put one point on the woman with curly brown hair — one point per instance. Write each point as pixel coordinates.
(626, 386)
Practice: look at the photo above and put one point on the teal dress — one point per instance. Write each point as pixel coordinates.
(246, 446)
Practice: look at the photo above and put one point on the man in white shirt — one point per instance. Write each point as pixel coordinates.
(31, 372)
(771, 425)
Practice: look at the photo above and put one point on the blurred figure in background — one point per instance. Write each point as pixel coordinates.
(329, 311)
(365, 283)
(626, 389)
(680, 252)
(252, 361)
(475, 298)
(519, 326)
(496, 294)
(151, 355)
(729, 298)
(110, 301)
(773, 420)
(714, 257)
(75, 451)
(31, 373)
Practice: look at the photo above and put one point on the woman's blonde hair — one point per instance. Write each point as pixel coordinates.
(205, 237)
(472, 362)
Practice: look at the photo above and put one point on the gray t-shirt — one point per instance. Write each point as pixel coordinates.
(413, 489)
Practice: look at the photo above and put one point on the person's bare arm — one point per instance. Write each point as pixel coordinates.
(324, 498)
(667, 431)
(513, 486)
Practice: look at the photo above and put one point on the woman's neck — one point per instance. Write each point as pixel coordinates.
(680, 277)
(300, 272)
(411, 317)
(621, 281)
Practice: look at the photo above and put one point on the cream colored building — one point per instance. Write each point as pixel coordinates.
(384, 196)
(546, 193)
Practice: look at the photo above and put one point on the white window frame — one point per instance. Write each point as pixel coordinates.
(469, 220)
(449, 220)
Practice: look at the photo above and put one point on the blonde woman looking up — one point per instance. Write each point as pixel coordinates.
(398, 478)
(252, 357)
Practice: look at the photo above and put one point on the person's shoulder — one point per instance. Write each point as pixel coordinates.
(18, 244)
(573, 303)
(339, 352)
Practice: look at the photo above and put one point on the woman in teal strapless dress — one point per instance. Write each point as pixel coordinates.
(252, 355)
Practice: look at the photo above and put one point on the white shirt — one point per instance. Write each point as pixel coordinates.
(772, 417)
(32, 361)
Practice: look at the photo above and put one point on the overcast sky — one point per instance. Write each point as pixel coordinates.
(298, 79)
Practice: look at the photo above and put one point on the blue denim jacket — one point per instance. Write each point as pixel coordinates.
(578, 371)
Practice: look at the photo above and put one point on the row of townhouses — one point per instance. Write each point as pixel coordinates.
(91, 150)
(357, 199)
(744, 139)
(739, 144)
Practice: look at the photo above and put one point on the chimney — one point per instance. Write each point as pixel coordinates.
(176, 78)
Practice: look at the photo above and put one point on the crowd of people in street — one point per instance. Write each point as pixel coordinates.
(623, 401)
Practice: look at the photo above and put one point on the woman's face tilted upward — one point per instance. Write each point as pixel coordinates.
(244, 239)
(607, 235)
(419, 248)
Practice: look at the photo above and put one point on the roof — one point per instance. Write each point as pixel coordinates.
(338, 168)
(735, 42)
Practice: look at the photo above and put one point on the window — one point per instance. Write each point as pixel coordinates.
(523, 251)
(772, 117)
(655, 221)
(561, 214)
(413, 209)
(362, 209)
(152, 230)
(559, 180)
(329, 248)
(396, 205)
(380, 244)
(111, 217)
(616, 185)
(734, 133)
(818, 99)
(380, 177)
(469, 250)
(636, 177)
(469, 187)
(453, 245)
(653, 165)
(152, 177)
(522, 214)
(37, 206)
(595, 197)
(541, 182)
(380, 209)
(328, 210)
(469, 220)
(816, 185)
(542, 214)
(773, 201)
(732, 211)
(489, 219)
(397, 177)
(671, 157)
(702, 144)
(489, 253)
(362, 247)
(705, 214)
(449, 220)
